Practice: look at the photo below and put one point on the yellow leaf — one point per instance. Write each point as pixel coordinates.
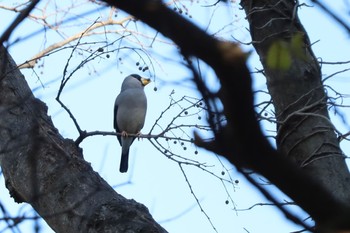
(278, 56)
(297, 46)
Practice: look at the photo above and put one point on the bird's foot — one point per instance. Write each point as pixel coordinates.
(124, 134)
(138, 135)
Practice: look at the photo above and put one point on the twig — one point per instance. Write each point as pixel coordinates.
(5, 36)
(195, 197)
(334, 16)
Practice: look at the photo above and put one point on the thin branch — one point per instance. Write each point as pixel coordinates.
(266, 204)
(78, 36)
(332, 15)
(197, 200)
(5, 36)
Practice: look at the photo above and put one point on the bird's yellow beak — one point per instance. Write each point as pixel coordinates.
(145, 81)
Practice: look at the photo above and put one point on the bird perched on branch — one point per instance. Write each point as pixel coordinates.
(129, 114)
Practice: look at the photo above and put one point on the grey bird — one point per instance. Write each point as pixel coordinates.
(129, 114)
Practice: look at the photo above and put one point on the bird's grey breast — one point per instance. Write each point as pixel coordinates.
(132, 106)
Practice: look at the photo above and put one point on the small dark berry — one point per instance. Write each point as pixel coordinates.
(155, 89)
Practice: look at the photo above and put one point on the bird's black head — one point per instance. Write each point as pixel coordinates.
(143, 81)
(138, 77)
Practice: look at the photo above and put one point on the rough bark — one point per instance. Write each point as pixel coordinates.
(305, 132)
(49, 172)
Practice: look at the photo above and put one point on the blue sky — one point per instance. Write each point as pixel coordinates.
(153, 179)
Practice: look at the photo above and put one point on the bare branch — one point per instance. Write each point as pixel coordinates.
(24, 13)
(88, 32)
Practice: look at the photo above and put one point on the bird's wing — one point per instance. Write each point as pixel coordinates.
(116, 123)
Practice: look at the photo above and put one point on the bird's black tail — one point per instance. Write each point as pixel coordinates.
(124, 162)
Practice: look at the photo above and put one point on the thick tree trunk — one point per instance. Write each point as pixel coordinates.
(49, 172)
(305, 133)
